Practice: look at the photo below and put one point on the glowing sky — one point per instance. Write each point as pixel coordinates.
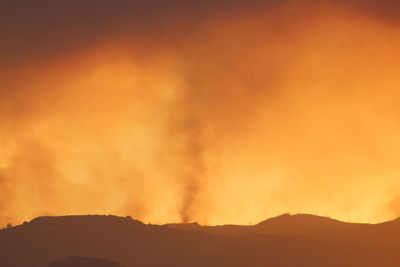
(211, 111)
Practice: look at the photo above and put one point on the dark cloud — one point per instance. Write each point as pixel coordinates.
(41, 29)
(44, 30)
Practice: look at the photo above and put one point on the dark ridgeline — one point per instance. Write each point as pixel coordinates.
(316, 227)
(83, 262)
(285, 241)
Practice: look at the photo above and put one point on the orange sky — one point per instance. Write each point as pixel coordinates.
(225, 112)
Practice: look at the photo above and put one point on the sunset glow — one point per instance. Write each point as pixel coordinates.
(245, 114)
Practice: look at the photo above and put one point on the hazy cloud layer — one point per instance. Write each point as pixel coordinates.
(217, 111)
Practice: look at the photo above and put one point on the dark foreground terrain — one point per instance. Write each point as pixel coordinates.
(299, 240)
(83, 262)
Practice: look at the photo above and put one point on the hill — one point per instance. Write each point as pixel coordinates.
(310, 226)
(131, 243)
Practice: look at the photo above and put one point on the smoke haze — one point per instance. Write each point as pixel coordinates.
(210, 111)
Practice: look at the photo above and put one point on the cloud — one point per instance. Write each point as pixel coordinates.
(219, 111)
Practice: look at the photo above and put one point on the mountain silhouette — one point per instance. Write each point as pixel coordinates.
(299, 240)
(311, 226)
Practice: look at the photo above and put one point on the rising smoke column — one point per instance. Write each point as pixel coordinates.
(194, 169)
